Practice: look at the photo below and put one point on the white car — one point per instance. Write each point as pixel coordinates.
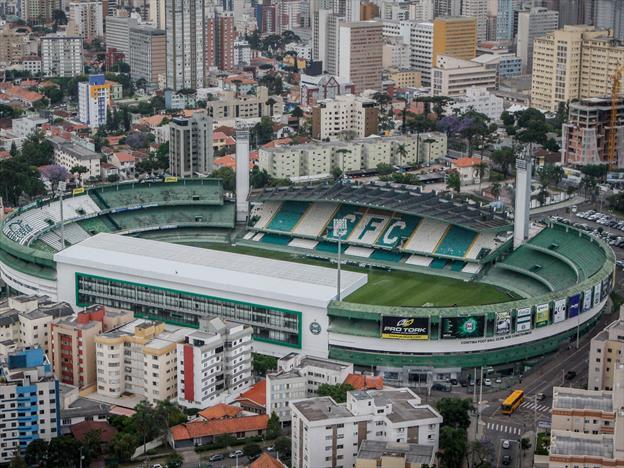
(487, 382)
(236, 453)
(499, 380)
(506, 444)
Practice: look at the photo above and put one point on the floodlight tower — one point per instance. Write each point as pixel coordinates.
(242, 171)
(522, 209)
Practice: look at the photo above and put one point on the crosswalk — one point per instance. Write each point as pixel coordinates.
(531, 405)
(498, 427)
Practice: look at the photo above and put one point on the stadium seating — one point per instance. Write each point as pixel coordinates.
(517, 282)
(472, 268)
(330, 247)
(73, 234)
(264, 213)
(97, 224)
(369, 228)
(352, 214)
(288, 216)
(397, 230)
(275, 239)
(358, 251)
(456, 241)
(218, 216)
(484, 240)
(419, 260)
(303, 243)
(557, 273)
(438, 263)
(426, 237)
(457, 265)
(315, 219)
(386, 256)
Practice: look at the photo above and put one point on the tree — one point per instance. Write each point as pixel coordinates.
(283, 446)
(262, 363)
(551, 145)
(504, 159)
(453, 181)
(259, 178)
(262, 132)
(495, 188)
(17, 462)
(455, 412)
(92, 445)
(174, 460)
(337, 392)
(37, 150)
(54, 94)
(453, 446)
(598, 171)
(336, 172)
(8, 112)
(36, 452)
(169, 413)
(274, 427)
(297, 112)
(63, 452)
(482, 168)
(252, 450)
(384, 169)
(479, 453)
(227, 175)
(13, 151)
(79, 170)
(123, 446)
(402, 152)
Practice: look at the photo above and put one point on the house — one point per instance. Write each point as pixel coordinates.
(220, 140)
(200, 432)
(254, 399)
(266, 461)
(124, 162)
(468, 170)
(107, 170)
(80, 431)
(365, 382)
(220, 411)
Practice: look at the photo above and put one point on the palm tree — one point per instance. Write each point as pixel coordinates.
(402, 151)
(271, 102)
(496, 190)
(481, 167)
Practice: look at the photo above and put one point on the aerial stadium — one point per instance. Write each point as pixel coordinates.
(429, 281)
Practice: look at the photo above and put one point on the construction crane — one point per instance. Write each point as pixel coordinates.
(615, 97)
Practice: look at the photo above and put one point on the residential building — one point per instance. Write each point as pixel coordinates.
(505, 20)
(288, 15)
(86, 19)
(534, 23)
(139, 358)
(157, 14)
(242, 52)
(32, 65)
(605, 353)
(421, 10)
(26, 126)
(293, 161)
(325, 39)
(360, 54)
(38, 12)
(323, 430)
(582, 61)
(395, 54)
(477, 99)
(332, 117)
(298, 377)
(454, 36)
(388, 454)
(313, 88)
(72, 343)
(507, 64)
(477, 9)
(405, 78)
(25, 320)
(421, 50)
(186, 26)
(124, 162)
(245, 106)
(147, 58)
(94, 101)
(116, 89)
(70, 154)
(609, 14)
(220, 38)
(453, 76)
(30, 396)
(15, 44)
(76, 409)
(61, 55)
(190, 145)
(118, 34)
(254, 399)
(468, 170)
(214, 363)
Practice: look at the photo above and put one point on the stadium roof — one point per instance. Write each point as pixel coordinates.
(399, 198)
(195, 267)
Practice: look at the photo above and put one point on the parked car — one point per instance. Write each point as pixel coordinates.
(506, 444)
(498, 380)
(487, 382)
(236, 453)
(540, 396)
(506, 460)
(570, 375)
(216, 457)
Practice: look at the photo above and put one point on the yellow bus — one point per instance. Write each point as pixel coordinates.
(512, 402)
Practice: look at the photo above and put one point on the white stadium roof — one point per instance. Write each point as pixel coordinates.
(154, 262)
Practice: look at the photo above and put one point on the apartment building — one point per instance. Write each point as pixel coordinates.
(575, 62)
(118, 34)
(605, 353)
(534, 23)
(585, 136)
(478, 99)
(15, 44)
(29, 401)
(148, 55)
(190, 145)
(421, 50)
(477, 9)
(360, 54)
(213, 363)
(298, 377)
(86, 19)
(25, 320)
(140, 358)
(327, 433)
(313, 88)
(26, 126)
(72, 343)
(454, 36)
(220, 41)
(61, 55)
(69, 154)
(331, 118)
(383, 454)
(453, 76)
(245, 106)
(318, 159)
(94, 100)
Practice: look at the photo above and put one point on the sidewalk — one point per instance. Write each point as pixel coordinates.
(557, 206)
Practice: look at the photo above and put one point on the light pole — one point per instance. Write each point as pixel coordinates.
(60, 190)
(340, 228)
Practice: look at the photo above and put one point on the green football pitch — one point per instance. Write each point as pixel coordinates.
(395, 288)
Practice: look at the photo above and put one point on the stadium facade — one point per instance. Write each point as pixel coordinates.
(535, 297)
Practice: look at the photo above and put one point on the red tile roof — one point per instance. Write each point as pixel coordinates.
(266, 461)
(365, 382)
(220, 411)
(256, 394)
(80, 430)
(123, 156)
(215, 427)
(466, 162)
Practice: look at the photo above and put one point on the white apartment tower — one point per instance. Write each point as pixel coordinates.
(361, 54)
(534, 23)
(190, 145)
(61, 55)
(421, 50)
(94, 98)
(187, 43)
(86, 19)
(477, 9)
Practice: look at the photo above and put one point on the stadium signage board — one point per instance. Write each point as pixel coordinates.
(606, 287)
(405, 328)
(559, 313)
(597, 290)
(503, 323)
(471, 326)
(523, 320)
(587, 300)
(574, 305)
(542, 315)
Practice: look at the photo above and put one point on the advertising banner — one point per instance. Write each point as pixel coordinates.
(606, 287)
(542, 315)
(597, 290)
(503, 323)
(405, 328)
(574, 305)
(463, 327)
(523, 320)
(587, 300)
(559, 313)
